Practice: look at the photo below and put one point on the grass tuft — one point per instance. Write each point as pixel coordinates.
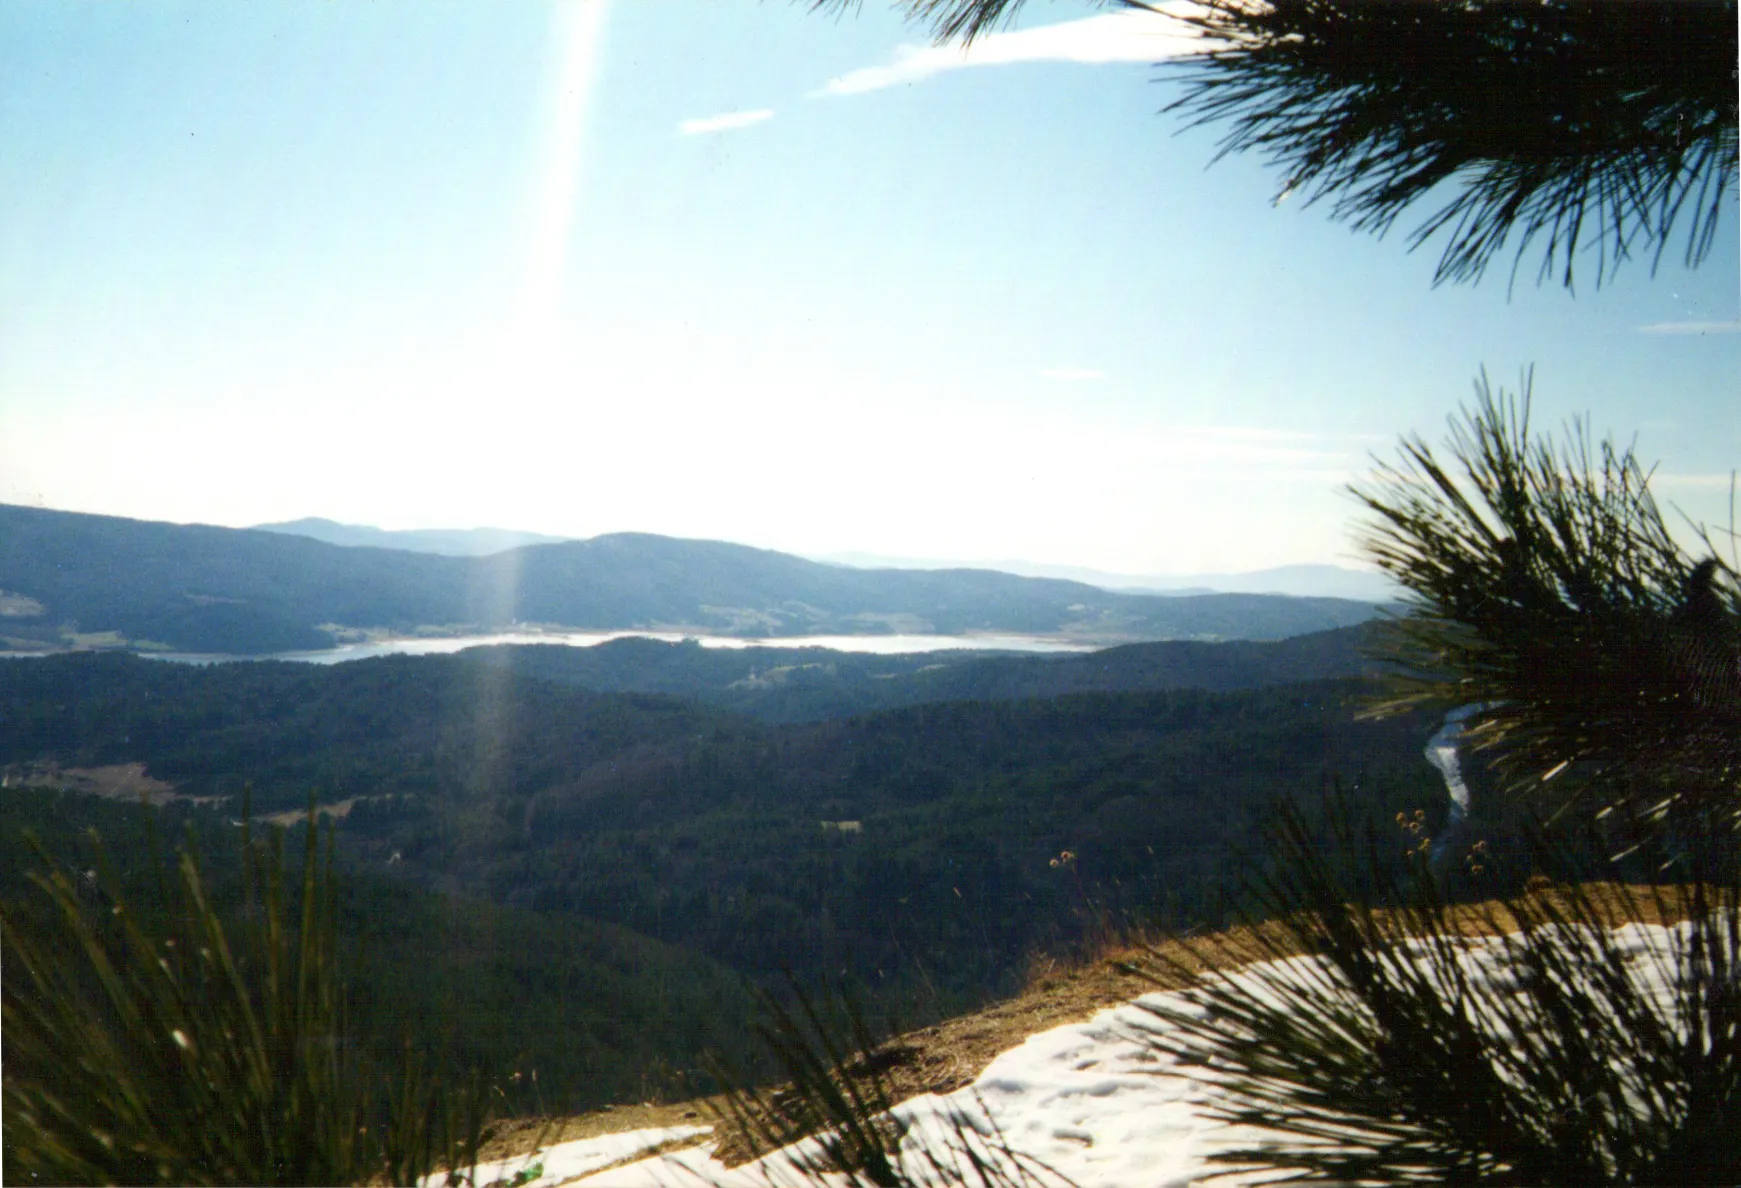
(201, 1049)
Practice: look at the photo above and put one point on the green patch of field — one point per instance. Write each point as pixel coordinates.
(18, 606)
(94, 639)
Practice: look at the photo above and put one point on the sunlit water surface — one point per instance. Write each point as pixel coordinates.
(882, 645)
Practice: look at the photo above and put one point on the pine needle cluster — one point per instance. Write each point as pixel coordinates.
(1556, 125)
(1545, 587)
(1552, 1049)
(1597, 660)
(1603, 124)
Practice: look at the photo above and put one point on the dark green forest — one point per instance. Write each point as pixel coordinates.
(603, 1014)
(812, 684)
(592, 881)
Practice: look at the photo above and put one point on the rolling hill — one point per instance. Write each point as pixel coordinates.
(811, 684)
(101, 580)
(728, 837)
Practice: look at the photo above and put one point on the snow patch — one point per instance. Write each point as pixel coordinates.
(565, 1161)
(1098, 1103)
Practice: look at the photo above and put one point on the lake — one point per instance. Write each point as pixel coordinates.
(882, 645)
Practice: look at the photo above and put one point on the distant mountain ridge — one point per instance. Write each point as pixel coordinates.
(103, 580)
(450, 542)
(1303, 581)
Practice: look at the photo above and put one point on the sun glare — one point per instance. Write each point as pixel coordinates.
(577, 30)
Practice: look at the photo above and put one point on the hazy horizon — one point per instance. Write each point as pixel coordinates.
(1020, 566)
(739, 272)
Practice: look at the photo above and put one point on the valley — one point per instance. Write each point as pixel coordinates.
(567, 567)
(919, 828)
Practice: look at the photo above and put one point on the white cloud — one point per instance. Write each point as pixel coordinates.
(725, 122)
(1691, 328)
(1131, 36)
(1074, 373)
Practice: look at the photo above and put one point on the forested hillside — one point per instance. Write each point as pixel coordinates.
(809, 684)
(905, 847)
(600, 1012)
(79, 579)
(417, 725)
(201, 588)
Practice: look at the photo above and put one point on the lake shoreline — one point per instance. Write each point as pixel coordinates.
(374, 644)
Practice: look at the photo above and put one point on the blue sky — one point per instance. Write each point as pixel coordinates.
(733, 270)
